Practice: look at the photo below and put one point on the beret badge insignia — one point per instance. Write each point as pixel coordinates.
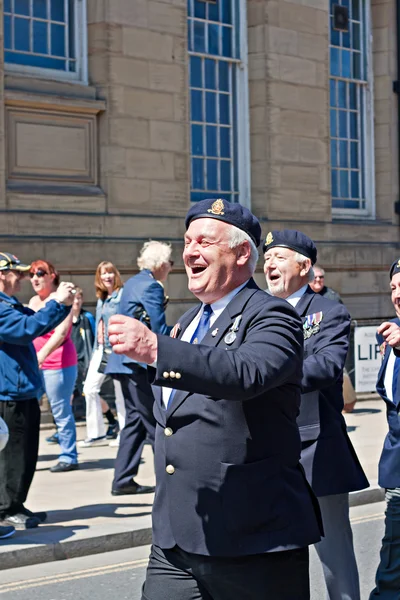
(398, 264)
(217, 208)
(3, 263)
(269, 239)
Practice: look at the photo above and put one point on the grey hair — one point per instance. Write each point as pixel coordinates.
(153, 255)
(238, 236)
(319, 269)
(300, 258)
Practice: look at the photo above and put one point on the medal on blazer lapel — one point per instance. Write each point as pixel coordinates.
(175, 331)
(231, 335)
(312, 324)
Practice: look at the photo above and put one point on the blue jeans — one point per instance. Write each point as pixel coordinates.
(59, 385)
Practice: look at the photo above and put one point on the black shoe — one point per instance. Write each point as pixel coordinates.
(53, 439)
(6, 532)
(112, 431)
(62, 467)
(133, 488)
(20, 521)
(42, 516)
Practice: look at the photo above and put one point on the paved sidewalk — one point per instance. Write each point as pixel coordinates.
(83, 517)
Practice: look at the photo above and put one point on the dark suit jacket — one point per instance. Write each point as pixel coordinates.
(230, 433)
(140, 292)
(389, 464)
(328, 457)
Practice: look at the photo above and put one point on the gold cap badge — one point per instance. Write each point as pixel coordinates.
(3, 263)
(217, 208)
(269, 239)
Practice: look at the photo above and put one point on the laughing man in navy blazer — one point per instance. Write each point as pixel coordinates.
(233, 514)
(328, 458)
(388, 386)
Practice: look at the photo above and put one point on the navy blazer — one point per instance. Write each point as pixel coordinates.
(227, 448)
(389, 463)
(141, 291)
(328, 457)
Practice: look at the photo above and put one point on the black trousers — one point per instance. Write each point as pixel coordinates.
(140, 425)
(178, 575)
(18, 459)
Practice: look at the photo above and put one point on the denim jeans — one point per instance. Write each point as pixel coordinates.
(59, 385)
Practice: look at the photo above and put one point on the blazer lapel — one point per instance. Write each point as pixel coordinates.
(304, 302)
(222, 324)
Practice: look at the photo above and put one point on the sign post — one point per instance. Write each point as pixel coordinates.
(367, 359)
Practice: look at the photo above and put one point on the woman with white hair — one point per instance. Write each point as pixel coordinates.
(142, 298)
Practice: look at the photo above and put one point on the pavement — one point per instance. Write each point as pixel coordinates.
(84, 518)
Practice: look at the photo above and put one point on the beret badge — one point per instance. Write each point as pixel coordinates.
(3, 263)
(269, 239)
(217, 208)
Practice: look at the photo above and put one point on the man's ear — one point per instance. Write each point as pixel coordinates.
(243, 253)
(305, 268)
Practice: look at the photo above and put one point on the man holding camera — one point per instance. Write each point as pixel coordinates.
(20, 387)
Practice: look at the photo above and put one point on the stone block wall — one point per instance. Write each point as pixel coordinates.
(138, 63)
(130, 179)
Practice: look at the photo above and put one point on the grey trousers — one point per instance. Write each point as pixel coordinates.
(388, 573)
(336, 551)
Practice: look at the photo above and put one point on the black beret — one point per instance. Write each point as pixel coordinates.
(295, 240)
(229, 212)
(395, 268)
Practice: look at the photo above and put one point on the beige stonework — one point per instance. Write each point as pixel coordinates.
(95, 170)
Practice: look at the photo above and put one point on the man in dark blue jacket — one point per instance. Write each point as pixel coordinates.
(233, 513)
(20, 387)
(328, 458)
(388, 386)
(142, 298)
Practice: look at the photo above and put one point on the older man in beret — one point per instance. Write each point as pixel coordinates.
(233, 514)
(328, 458)
(388, 386)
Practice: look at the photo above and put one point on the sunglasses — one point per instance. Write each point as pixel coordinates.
(319, 277)
(38, 273)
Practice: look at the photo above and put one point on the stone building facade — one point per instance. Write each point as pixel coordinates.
(116, 114)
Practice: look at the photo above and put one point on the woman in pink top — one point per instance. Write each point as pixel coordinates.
(58, 361)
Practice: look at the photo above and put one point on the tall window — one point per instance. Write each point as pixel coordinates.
(45, 37)
(216, 100)
(350, 112)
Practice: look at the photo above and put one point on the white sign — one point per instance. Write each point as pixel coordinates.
(367, 358)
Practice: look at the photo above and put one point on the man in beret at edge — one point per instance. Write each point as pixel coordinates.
(327, 455)
(233, 514)
(388, 386)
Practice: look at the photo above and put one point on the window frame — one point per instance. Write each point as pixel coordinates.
(367, 134)
(242, 163)
(80, 75)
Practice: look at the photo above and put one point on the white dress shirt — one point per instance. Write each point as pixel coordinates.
(388, 379)
(217, 308)
(295, 298)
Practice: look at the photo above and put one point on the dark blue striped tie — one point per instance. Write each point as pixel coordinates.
(200, 331)
(203, 326)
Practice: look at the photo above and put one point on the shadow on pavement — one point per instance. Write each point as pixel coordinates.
(366, 411)
(94, 511)
(86, 465)
(46, 457)
(44, 534)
